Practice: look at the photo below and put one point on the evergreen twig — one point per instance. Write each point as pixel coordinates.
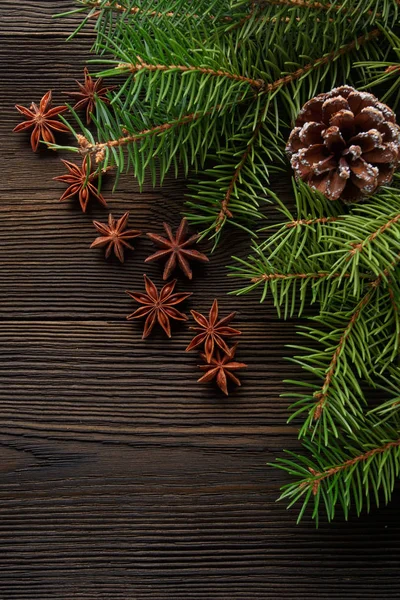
(219, 83)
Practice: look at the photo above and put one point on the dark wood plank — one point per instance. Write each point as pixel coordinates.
(120, 477)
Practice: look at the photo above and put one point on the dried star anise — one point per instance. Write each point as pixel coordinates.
(41, 118)
(158, 306)
(114, 235)
(220, 368)
(176, 249)
(212, 331)
(80, 183)
(89, 91)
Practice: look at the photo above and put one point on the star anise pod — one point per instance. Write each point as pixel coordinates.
(42, 119)
(80, 183)
(220, 368)
(212, 331)
(114, 235)
(176, 249)
(89, 91)
(158, 306)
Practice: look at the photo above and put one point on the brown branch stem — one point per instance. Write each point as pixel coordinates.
(134, 10)
(225, 212)
(141, 65)
(275, 276)
(319, 62)
(359, 246)
(323, 394)
(258, 84)
(318, 477)
(301, 222)
(87, 148)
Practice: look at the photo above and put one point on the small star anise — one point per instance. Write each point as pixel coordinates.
(175, 248)
(220, 369)
(114, 235)
(89, 91)
(41, 118)
(212, 331)
(80, 183)
(158, 306)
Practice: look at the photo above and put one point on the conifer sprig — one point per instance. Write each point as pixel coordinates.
(183, 74)
(349, 473)
(357, 339)
(213, 88)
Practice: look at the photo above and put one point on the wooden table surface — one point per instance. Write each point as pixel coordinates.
(120, 476)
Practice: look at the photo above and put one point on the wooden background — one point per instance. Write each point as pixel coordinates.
(120, 476)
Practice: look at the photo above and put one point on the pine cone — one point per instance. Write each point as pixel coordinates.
(345, 144)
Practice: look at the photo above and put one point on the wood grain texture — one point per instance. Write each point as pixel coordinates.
(120, 477)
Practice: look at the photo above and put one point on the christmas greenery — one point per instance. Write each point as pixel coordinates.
(214, 87)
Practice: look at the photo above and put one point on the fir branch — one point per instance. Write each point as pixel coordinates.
(219, 81)
(319, 62)
(385, 331)
(130, 10)
(302, 222)
(300, 4)
(310, 4)
(137, 10)
(393, 302)
(262, 86)
(273, 276)
(361, 246)
(239, 182)
(257, 83)
(366, 239)
(206, 72)
(360, 343)
(337, 402)
(319, 477)
(390, 384)
(349, 471)
(322, 396)
(141, 65)
(225, 212)
(127, 10)
(98, 148)
(286, 256)
(382, 72)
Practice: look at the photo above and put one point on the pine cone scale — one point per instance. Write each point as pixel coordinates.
(385, 175)
(333, 139)
(339, 180)
(369, 118)
(331, 106)
(381, 154)
(363, 175)
(345, 144)
(344, 120)
(311, 133)
(367, 140)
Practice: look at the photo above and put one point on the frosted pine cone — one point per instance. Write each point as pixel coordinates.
(345, 144)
